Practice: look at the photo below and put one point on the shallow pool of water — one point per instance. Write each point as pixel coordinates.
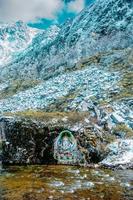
(65, 183)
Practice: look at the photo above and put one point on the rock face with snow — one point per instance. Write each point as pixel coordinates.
(14, 38)
(120, 153)
(35, 142)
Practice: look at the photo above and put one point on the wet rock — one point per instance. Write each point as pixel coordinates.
(57, 183)
(27, 143)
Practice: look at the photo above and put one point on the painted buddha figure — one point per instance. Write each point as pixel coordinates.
(66, 143)
(65, 148)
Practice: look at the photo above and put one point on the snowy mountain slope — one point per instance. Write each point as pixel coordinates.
(101, 27)
(27, 63)
(101, 82)
(83, 82)
(13, 39)
(80, 59)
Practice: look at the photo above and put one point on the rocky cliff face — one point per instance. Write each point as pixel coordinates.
(29, 141)
(34, 139)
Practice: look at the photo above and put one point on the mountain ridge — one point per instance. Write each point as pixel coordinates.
(14, 38)
(71, 52)
(98, 26)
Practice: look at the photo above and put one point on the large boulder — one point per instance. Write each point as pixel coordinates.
(27, 141)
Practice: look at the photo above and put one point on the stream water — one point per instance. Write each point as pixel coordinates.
(65, 183)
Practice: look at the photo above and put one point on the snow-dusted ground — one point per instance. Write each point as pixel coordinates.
(120, 153)
(90, 82)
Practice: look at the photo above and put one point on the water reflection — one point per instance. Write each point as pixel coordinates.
(65, 183)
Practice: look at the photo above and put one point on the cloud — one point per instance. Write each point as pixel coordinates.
(29, 10)
(76, 6)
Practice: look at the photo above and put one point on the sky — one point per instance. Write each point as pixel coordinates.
(71, 9)
(40, 13)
